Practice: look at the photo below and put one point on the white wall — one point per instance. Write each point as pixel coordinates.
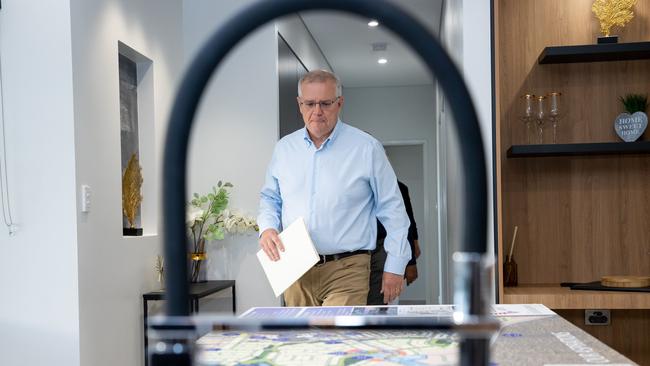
(466, 33)
(401, 114)
(233, 138)
(39, 309)
(114, 271)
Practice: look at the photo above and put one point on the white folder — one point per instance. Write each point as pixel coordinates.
(298, 257)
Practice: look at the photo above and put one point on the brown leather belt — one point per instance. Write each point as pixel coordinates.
(324, 258)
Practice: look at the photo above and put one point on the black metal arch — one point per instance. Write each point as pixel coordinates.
(226, 38)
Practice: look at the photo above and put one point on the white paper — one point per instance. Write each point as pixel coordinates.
(501, 310)
(298, 257)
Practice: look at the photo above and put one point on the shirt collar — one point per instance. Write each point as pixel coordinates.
(335, 132)
(306, 137)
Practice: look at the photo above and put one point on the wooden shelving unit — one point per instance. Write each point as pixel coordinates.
(595, 53)
(579, 218)
(556, 297)
(582, 149)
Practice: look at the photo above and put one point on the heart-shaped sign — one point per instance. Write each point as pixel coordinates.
(630, 127)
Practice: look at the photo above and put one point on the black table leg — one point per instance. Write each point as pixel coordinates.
(146, 339)
(234, 300)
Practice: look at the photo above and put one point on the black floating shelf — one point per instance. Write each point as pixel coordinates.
(599, 148)
(595, 53)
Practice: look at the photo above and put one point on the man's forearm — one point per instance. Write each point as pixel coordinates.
(269, 216)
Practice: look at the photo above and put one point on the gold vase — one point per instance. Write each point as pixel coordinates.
(197, 264)
(198, 256)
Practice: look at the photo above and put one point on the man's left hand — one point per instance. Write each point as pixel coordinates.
(391, 286)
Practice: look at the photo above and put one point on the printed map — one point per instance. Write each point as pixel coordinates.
(397, 347)
(328, 348)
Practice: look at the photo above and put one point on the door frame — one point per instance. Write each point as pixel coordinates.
(430, 216)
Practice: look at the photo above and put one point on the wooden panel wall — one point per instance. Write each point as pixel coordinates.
(581, 217)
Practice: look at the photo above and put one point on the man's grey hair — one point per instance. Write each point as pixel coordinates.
(320, 76)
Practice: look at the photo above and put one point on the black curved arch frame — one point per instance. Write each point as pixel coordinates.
(474, 208)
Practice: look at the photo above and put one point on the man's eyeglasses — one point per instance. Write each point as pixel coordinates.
(325, 104)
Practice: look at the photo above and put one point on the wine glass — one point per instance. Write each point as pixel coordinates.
(527, 114)
(554, 115)
(540, 116)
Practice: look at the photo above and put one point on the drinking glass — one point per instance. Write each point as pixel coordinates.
(527, 114)
(554, 114)
(540, 116)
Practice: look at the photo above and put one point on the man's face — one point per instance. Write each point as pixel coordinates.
(320, 118)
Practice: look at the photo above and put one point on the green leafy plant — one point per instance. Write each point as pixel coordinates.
(208, 219)
(204, 214)
(635, 103)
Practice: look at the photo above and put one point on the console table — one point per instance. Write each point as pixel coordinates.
(197, 291)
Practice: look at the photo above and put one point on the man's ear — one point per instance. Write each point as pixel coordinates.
(341, 101)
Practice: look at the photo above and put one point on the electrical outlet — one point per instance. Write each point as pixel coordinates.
(597, 317)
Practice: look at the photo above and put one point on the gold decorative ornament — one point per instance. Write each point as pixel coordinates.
(131, 186)
(612, 13)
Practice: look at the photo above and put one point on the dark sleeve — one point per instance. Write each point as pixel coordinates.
(381, 231)
(413, 230)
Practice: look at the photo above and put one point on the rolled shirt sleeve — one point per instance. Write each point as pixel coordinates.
(390, 211)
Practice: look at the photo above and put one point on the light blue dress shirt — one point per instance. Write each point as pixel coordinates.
(339, 189)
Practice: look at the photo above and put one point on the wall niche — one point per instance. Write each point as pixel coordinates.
(137, 142)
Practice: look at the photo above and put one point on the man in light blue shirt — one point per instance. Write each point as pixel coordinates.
(338, 179)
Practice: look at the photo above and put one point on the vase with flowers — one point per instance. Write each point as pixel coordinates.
(209, 219)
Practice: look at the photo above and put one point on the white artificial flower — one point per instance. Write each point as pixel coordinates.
(229, 223)
(193, 214)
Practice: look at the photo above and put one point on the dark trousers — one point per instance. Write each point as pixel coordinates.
(377, 261)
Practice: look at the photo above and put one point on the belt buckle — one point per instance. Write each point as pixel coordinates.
(323, 258)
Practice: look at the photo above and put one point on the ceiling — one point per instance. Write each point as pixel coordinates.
(346, 41)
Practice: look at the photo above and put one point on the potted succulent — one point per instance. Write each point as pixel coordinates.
(629, 126)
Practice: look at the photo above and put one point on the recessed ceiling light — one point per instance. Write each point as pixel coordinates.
(373, 23)
(382, 61)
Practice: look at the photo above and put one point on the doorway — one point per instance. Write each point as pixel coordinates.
(408, 160)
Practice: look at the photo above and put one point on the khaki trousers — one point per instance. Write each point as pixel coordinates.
(336, 283)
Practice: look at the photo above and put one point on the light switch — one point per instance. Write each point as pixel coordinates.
(85, 198)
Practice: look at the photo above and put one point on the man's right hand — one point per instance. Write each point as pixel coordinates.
(271, 244)
(411, 273)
